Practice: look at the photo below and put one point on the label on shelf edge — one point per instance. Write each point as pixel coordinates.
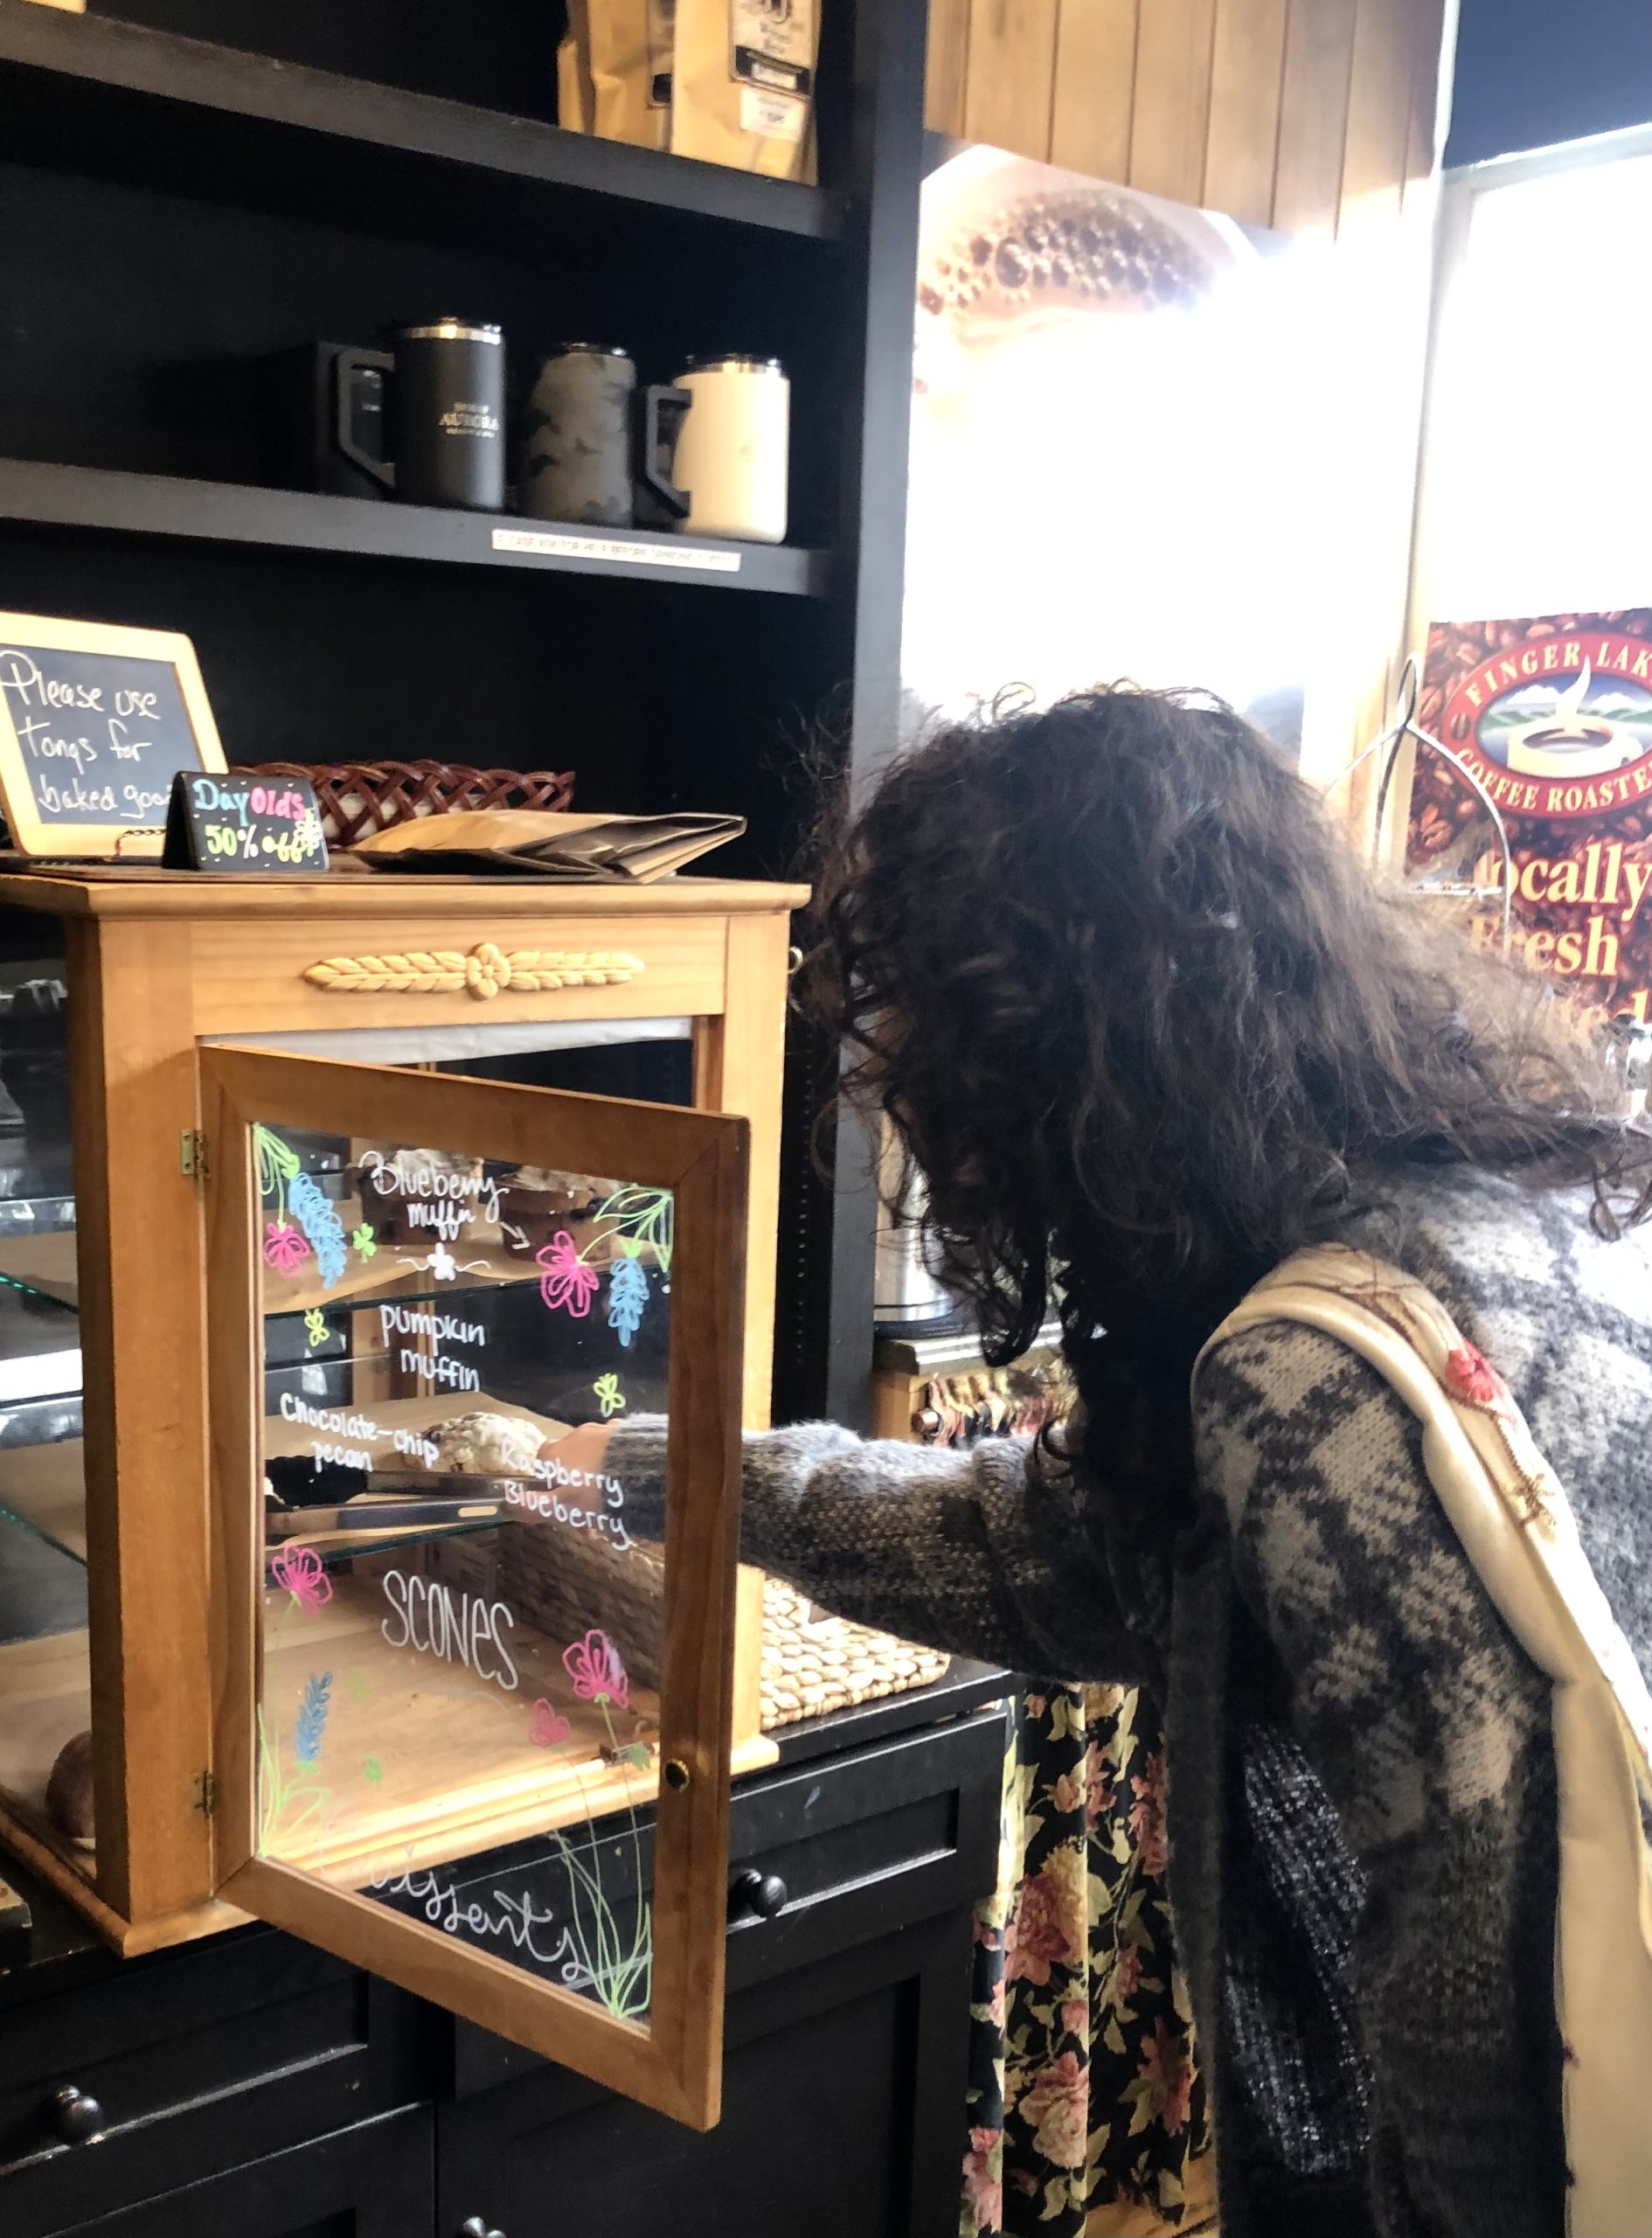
(566, 544)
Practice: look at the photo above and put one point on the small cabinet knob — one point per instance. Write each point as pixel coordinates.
(759, 1895)
(477, 2226)
(76, 2118)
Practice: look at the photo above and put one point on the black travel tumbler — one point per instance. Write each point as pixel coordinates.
(445, 414)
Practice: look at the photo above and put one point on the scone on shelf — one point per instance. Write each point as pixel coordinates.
(486, 1445)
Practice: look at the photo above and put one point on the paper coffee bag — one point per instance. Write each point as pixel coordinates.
(575, 105)
(628, 47)
(744, 84)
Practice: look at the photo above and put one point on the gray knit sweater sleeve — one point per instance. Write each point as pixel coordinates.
(1429, 1728)
(982, 1552)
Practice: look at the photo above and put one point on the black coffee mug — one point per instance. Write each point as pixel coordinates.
(445, 382)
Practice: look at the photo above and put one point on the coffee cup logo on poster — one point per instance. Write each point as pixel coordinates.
(445, 381)
(733, 456)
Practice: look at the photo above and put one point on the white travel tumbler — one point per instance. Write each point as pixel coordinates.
(732, 455)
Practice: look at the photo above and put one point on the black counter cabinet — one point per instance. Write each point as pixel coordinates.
(250, 2084)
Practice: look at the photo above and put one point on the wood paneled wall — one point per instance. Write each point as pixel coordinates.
(1282, 112)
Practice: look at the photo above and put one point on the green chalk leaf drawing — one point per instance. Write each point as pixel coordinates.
(288, 1803)
(277, 1163)
(641, 1218)
(316, 1328)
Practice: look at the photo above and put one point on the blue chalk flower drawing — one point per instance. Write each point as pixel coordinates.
(628, 1297)
(321, 1224)
(311, 1721)
(295, 1193)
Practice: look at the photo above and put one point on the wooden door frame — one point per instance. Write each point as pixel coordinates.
(673, 2063)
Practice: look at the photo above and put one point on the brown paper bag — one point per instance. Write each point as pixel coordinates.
(743, 91)
(542, 843)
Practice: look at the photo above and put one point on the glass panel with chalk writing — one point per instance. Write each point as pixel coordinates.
(462, 1605)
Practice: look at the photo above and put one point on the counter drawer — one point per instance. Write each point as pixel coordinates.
(192, 2061)
(862, 1846)
(843, 2117)
(371, 2181)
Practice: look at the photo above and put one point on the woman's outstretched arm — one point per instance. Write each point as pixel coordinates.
(982, 1551)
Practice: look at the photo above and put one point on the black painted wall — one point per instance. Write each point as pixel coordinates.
(1533, 72)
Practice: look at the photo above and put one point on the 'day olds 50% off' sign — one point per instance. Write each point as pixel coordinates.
(239, 821)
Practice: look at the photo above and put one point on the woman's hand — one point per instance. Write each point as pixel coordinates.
(581, 1456)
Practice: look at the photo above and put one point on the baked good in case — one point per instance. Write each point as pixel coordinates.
(486, 1445)
(68, 1796)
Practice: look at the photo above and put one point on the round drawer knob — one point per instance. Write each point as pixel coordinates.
(761, 1895)
(478, 2226)
(76, 2118)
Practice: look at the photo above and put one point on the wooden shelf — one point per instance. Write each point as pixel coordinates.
(115, 100)
(230, 512)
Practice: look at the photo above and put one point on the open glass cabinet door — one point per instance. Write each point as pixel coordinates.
(474, 1702)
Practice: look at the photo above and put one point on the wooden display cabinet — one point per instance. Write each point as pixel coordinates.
(461, 1268)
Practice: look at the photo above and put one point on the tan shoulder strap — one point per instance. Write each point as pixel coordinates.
(1539, 1575)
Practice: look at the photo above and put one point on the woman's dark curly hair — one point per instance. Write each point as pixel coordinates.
(1147, 1025)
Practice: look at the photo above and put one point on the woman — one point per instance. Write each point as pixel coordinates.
(1147, 1028)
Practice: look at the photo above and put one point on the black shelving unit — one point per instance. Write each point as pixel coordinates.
(188, 185)
(297, 520)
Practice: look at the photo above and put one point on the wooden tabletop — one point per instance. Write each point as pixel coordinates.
(128, 890)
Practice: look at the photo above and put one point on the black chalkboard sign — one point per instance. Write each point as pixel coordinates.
(95, 722)
(242, 821)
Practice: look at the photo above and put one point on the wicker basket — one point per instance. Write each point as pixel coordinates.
(357, 798)
(563, 1582)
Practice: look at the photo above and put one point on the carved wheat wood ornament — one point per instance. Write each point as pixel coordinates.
(487, 971)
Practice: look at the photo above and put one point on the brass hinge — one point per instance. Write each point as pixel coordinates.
(191, 1153)
(204, 1787)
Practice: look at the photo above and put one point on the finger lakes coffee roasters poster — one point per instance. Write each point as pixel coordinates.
(1553, 714)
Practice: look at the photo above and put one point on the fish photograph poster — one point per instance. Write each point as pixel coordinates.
(1553, 714)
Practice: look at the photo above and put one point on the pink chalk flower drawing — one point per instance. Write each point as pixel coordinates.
(566, 1284)
(299, 1570)
(598, 1674)
(549, 1726)
(285, 1249)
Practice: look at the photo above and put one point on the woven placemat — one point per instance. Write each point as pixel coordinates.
(813, 1663)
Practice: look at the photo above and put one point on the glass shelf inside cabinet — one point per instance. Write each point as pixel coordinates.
(36, 1180)
(462, 1639)
(44, 1684)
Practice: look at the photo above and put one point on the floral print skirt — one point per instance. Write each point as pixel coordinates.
(1086, 2112)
